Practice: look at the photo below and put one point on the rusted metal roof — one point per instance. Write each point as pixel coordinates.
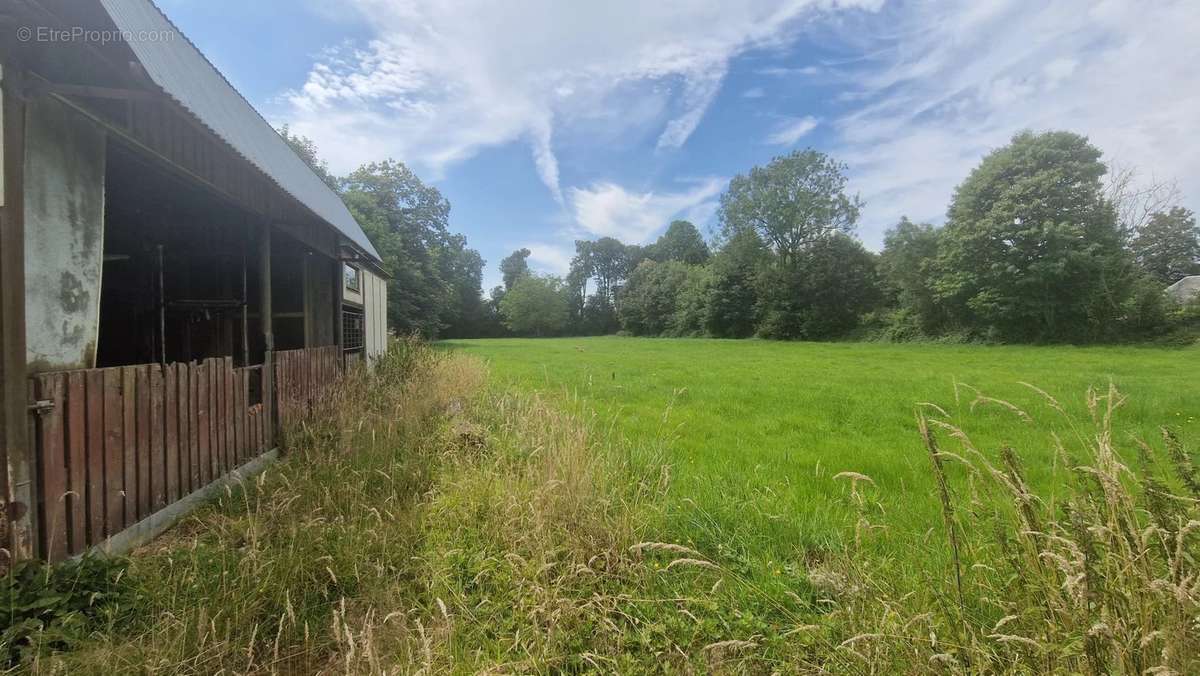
(184, 74)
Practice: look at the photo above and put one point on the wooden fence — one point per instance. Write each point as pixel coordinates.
(115, 445)
(302, 377)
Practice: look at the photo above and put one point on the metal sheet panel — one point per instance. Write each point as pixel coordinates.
(178, 67)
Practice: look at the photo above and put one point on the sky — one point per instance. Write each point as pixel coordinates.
(547, 121)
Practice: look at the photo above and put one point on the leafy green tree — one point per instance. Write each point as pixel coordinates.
(610, 263)
(307, 150)
(1031, 250)
(462, 268)
(792, 202)
(536, 305)
(691, 308)
(823, 296)
(650, 298)
(733, 286)
(514, 266)
(1167, 246)
(681, 242)
(905, 268)
(408, 223)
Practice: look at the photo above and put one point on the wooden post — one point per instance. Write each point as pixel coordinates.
(17, 466)
(339, 292)
(265, 313)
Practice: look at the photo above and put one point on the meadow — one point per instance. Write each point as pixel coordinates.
(618, 505)
(755, 431)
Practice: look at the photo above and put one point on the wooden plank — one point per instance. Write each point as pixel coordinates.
(193, 406)
(170, 436)
(76, 462)
(158, 484)
(129, 451)
(239, 414)
(216, 391)
(204, 434)
(94, 382)
(114, 454)
(177, 455)
(144, 423)
(52, 468)
(230, 437)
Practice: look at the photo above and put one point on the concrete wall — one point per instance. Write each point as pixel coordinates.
(64, 236)
(374, 302)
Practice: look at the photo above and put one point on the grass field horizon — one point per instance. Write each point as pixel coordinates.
(754, 432)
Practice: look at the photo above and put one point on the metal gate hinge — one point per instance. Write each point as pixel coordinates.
(42, 406)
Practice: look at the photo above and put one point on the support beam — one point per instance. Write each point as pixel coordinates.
(339, 292)
(266, 316)
(18, 462)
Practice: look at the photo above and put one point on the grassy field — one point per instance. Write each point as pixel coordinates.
(758, 429)
(611, 505)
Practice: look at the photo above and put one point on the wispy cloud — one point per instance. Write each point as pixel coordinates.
(440, 81)
(792, 131)
(946, 83)
(609, 210)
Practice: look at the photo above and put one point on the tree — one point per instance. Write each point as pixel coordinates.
(610, 263)
(905, 268)
(462, 269)
(535, 305)
(681, 242)
(1167, 246)
(514, 267)
(1031, 250)
(733, 287)
(791, 203)
(651, 296)
(823, 296)
(307, 150)
(407, 221)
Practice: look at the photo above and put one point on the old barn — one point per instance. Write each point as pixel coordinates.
(174, 277)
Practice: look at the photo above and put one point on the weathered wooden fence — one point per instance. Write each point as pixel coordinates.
(115, 445)
(304, 376)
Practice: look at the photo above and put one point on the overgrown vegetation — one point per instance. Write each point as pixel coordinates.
(427, 521)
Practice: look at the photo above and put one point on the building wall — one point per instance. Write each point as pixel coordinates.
(374, 302)
(64, 236)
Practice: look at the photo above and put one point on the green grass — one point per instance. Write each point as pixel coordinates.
(759, 429)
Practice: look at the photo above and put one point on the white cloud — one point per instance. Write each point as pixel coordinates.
(792, 131)
(550, 258)
(608, 210)
(441, 80)
(754, 93)
(946, 83)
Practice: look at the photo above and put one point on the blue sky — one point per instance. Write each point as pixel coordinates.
(545, 121)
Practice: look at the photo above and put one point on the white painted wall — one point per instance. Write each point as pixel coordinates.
(64, 236)
(374, 302)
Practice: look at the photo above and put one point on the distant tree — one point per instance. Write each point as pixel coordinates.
(514, 266)
(733, 286)
(307, 150)
(651, 296)
(1167, 246)
(461, 267)
(535, 306)
(681, 242)
(823, 296)
(1031, 250)
(792, 202)
(691, 308)
(905, 269)
(407, 221)
(610, 264)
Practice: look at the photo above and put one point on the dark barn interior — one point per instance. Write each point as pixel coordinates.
(181, 274)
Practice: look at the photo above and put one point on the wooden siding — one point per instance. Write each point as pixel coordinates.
(115, 445)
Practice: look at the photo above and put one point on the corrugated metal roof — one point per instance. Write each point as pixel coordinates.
(178, 67)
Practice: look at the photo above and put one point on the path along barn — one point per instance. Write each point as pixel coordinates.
(174, 280)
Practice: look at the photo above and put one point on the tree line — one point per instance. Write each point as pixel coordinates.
(1042, 242)
(1036, 247)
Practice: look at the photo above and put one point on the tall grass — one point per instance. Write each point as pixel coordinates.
(426, 521)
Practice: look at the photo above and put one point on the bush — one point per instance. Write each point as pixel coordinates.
(52, 607)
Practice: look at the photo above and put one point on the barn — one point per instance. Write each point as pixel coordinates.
(174, 279)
